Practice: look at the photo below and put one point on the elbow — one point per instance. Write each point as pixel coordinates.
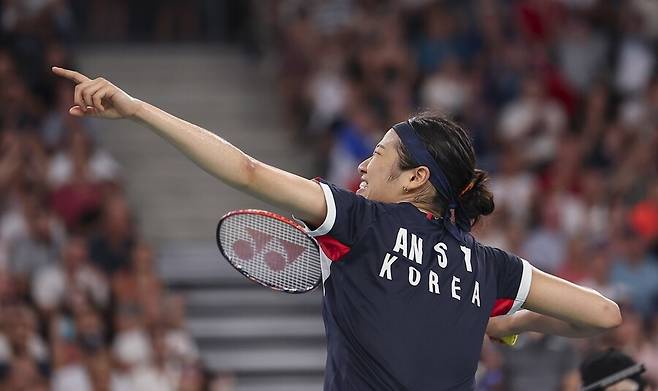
(248, 173)
(610, 316)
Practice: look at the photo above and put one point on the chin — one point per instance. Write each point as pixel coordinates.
(362, 192)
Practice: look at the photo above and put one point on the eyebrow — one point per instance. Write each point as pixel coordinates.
(380, 146)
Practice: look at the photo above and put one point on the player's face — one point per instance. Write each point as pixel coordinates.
(380, 179)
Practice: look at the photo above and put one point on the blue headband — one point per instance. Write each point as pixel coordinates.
(422, 157)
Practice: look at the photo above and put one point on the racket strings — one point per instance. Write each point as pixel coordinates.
(270, 251)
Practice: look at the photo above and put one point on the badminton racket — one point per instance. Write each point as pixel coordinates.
(271, 250)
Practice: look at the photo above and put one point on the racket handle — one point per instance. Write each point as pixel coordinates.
(509, 340)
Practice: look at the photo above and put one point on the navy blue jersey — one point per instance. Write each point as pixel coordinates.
(405, 304)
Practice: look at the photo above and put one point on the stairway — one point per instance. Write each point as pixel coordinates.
(270, 341)
(213, 87)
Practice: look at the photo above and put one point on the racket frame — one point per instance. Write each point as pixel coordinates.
(275, 216)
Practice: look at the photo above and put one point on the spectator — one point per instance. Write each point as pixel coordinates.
(631, 338)
(442, 40)
(178, 341)
(138, 285)
(58, 321)
(22, 343)
(513, 188)
(131, 346)
(637, 272)
(635, 59)
(110, 248)
(598, 276)
(103, 376)
(39, 249)
(192, 379)
(588, 212)
(354, 142)
(160, 374)
(644, 216)
(533, 122)
(611, 362)
(81, 159)
(575, 265)
(56, 284)
(447, 90)
(24, 375)
(582, 53)
(546, 244)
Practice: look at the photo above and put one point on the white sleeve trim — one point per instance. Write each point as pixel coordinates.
(524, 287)
(330, 219)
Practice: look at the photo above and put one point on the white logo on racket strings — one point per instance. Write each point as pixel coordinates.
(249, 250)
(411, 248)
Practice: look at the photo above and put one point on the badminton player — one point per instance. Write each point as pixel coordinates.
(408, 292)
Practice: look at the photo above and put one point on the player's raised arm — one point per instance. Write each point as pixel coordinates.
(100, 98)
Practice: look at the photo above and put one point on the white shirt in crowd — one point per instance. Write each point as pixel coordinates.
(51, 285)
(102, 167)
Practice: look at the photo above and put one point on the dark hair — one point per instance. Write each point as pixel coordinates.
(450, 146)
(600, 365)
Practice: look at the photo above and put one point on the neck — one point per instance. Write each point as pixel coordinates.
(426, 207)
(422, 198)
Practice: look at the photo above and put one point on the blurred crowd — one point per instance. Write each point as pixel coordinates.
(125, 20)
(561, 99)
(81, 304)
(560, 96)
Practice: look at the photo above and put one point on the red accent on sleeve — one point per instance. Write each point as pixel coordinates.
(332, 248)
(501, 307)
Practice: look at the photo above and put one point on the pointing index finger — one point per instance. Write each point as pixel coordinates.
(77, 77)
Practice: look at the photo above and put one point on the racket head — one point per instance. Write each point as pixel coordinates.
(271, 250)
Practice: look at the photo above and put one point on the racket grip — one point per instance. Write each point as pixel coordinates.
(509, 340)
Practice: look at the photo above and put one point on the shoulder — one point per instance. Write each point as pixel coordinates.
(343, 198)
(497, 256)
(487, 250)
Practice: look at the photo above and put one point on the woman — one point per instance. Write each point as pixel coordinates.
(409, 294)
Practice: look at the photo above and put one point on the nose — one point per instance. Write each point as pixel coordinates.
(363, 166)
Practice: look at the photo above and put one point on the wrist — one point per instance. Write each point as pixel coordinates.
(524, 321)
(138, 113)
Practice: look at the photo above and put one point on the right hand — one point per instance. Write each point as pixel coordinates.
(98, 97)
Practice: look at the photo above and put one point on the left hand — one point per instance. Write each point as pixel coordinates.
(98, 97)
(500, 330)
(497, 326)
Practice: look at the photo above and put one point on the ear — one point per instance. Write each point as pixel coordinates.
(417, 177)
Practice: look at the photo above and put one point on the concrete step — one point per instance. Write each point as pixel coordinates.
(266, 359)
(279, 383)
(220, 299)
(196, 263)
(257, 326)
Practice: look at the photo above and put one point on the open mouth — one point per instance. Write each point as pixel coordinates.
(363, 185)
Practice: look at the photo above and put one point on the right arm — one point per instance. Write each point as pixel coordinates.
(559, 307)
(576, 309)
(300, 196)
(524, 320)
